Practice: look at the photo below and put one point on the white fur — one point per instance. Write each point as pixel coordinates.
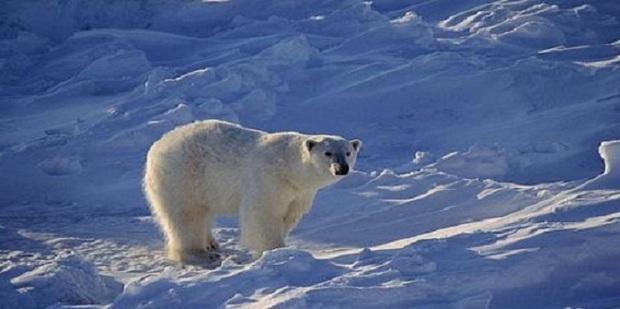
(209, 168)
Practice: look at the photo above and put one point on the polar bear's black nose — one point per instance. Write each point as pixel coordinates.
(341, 169)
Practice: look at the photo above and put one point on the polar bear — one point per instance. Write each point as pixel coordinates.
(209, 168)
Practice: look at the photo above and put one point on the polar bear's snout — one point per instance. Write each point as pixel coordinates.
(340, 169)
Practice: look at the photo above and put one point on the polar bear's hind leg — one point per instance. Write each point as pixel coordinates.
(183, 226)
(210, 243)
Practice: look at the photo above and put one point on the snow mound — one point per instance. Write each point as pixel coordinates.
(610, 178)
(610, 152)
(67, 280)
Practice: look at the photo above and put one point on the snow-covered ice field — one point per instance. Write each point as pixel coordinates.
(489, 176)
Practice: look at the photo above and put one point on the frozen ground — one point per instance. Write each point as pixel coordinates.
(479, 185)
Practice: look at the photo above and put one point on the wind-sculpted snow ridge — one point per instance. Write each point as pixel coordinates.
(479, 183)
(610, 179)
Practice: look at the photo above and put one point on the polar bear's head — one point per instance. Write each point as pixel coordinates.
(332, 156)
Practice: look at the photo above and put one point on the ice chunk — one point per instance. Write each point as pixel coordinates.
(181, 114)
(295, 51)
(423, 158)
(257, 104)
(610, 152)
(610, 179)
(407, 18)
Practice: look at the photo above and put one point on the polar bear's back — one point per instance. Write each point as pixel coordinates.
(201, 162)
(212, 140)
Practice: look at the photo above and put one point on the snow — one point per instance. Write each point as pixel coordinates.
(610, 178)
(67, 279)
(610, 152)
(479, 184)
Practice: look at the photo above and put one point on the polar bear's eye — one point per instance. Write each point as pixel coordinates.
(327, 153)
(348, 153)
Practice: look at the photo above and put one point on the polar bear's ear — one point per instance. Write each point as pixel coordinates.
(356, 144)
(310, 144)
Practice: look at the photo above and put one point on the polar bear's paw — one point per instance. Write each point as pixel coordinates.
(198, 257)
(212, 245)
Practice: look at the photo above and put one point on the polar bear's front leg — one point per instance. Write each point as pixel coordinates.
(261, 222)
(299, 207)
